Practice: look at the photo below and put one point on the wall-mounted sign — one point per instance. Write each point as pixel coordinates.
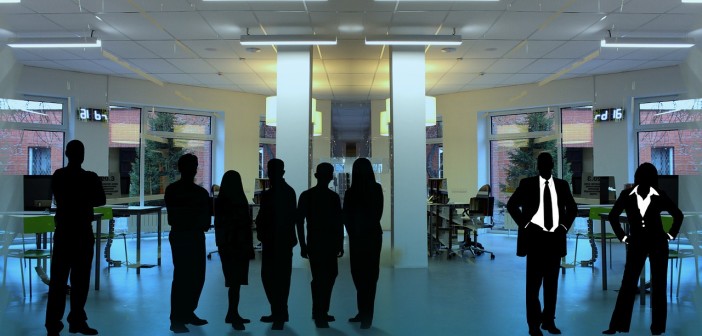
(608, 114)
(91, 114)
(111, 185)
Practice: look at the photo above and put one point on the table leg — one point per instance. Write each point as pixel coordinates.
(159, 236)
(138, 244)
(603, 242)
(97, 254)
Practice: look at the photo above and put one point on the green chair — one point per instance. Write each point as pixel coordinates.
(110, 234)
(677, 255)
(39, 225)
(593, 216)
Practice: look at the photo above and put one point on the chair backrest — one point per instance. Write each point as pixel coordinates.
(39, 224)
(482, 205)
(105, 211)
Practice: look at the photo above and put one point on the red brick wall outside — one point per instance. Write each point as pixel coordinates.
(15, 144)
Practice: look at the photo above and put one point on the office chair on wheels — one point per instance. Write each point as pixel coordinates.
(480, 207)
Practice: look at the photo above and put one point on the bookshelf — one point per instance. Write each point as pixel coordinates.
(437, 190)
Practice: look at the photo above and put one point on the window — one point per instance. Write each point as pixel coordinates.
(669, 135)
(124, 128)
(31, 135)
(266, 147)
(435, 150)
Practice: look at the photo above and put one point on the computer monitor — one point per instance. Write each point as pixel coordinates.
(608, 193)
(37, 192)
(669, 185)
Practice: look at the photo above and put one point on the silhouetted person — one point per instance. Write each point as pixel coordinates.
(234, 241)
(647, 238)
(363, 209)
(275, 228)
(189, 209)
(76, 192)
(544, 209)
(321, 207)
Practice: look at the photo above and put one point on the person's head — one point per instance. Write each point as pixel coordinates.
(544, 164)
(75, 152)
(324, 173)
(231, 186)
(362, 172)
(646, 175)
(187, 166)
(276, 169)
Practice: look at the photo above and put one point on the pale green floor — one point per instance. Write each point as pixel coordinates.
(461, 296)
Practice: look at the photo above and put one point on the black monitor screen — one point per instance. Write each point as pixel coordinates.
(37, 192)
(669, 185)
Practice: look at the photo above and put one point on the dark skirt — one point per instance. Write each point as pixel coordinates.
(235, 266)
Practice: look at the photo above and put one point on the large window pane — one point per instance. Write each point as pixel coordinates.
(124, 127)
(161, 165)
(30, 112)
(522, 123)
(676, 152)
(179, 123)
(577, 124)
(25, 152)
(266, 152)
(671, 111)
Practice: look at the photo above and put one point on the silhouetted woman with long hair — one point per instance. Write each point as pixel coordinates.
(234, 241)
(363, 208)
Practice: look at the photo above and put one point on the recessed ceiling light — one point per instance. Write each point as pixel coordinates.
(253, 49)
(448, 50)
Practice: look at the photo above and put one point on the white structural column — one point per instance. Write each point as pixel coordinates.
(407, 90)
(294, 104)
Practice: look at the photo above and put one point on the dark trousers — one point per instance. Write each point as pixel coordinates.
(72, 256)
(324, 271)
(656, 249)
(365, 269)
(188, 249)
(542, 266)
(276, 269)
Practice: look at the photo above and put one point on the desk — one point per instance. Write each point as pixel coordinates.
(120, 211)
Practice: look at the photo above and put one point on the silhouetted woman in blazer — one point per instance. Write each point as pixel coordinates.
(234, 241)
(363, 208)
(643, 204)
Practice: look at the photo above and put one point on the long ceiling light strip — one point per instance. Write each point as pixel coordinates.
(623, 42)
(9, 1)
(277, 0)
(77, 42)
(414, 40)
(439, 0)
(262, 40)
(691, 1)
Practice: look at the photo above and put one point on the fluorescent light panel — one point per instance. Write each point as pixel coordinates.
(623, 42)
(414, 40)
(439, 0)
(259, 40)
(263, 0)
(691, 1)
(77, 42)
(9, 1)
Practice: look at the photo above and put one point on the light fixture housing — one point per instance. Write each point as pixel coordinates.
(440, 0)
(62, 42)
(414, 40)
(632, 42)
(263, 0)
(429, 111)
(262, 40)
(691, 1)
(9, 1)
(272, 111)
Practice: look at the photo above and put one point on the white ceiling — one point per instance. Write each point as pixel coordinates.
(504, 43)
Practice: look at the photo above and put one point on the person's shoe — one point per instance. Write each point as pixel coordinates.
(535, 332)
(238, 325)
(657, 332)
(551, 328)
(230, 319)
(356, 318)
(267, 319)
(82, 329)
(278, 325)
(179, 328)
(53, 333)
(330, 318)
(366, 324)
(319, 323)
(196, 321)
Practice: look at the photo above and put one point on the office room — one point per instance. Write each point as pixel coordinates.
(450, 126)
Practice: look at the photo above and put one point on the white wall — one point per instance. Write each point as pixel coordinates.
(241, 113)
(380, 151)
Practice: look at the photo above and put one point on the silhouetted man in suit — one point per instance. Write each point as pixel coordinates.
(189, 210)
(544, 209)
(321, 208)
(275, 228)
(76, 192)
(647, 238)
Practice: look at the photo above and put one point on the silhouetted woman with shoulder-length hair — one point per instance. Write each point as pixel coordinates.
(643, 204)
(234, 241)
(363, 208)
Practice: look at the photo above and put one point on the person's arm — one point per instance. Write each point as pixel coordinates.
(514, 206)
(378, 207)
(615, 212)
(300, 224)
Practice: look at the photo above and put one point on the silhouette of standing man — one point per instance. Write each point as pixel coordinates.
(189, 210)
(321, 207)
(544, 209)
(363, 209)
(76, 192)
(643, 205)
(275, 228)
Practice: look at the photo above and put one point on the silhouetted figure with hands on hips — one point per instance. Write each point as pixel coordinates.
(76, 192)
(189, 215)
(275, 228)
(363, 209)
(234, 241)
(544, 209)
(643, 205)
(321, 208)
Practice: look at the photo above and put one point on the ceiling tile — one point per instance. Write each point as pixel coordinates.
(471, 24)
(350, 66)
(516, 25)
(546, 66)
(179, 79)
(257, 89)
(350, 79)
(473, 65)
(440, 65)
(649, 6)
(508, 65)
(618, 66)
(32, 25)
(197, 27)
(213, 48)
(212, 79)
(491, 79)
(230, 24)
(168, 49)
(55, 6)
(245, 79)
(574, 49)
(533, 49)
(490, 48)
(127, 49)
(230, 66)
(565, 26)
(135, 26)
(41, 64)
(114, 67)
(518, 79)
(83, 66)
(155, 66)
(25, 55)
(456, 78)
(192, 65)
